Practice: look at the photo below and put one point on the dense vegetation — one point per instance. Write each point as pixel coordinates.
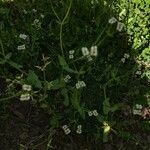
(82, 67)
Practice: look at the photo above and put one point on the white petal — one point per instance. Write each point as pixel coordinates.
(85, 51)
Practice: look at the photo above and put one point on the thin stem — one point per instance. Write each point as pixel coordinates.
(55, 12)
(10, 97)
(2, 47)
(61, 28)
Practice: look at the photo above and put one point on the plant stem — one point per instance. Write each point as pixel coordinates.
(2, 47)
(61, 29)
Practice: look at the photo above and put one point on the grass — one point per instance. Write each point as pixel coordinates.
(114, 81)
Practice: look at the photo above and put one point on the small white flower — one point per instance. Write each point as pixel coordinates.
(71, 56)
(123, 60)
(78, 85)
(64, 127)
(95, 113)
(25, 12)
(26, 87)
(23, 36)
(85, 51)
(79, 129)
(93, 51)
(120, 26)
(71, 52)
(126, 55)
(24, 97)
(138, 106)
(37, 23)
(82, 83)
(67, 78)
(79, 126)
(34, 10)
(90, 113)
(138, 72)
(137, 112)
(112, 20)
(67, 131)
(21, 47)
(42, 16)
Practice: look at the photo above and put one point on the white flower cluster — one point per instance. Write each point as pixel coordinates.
(94, 2)
(137, 110)
(79, 129)
(25, 12)
(67, 78)
(119, 24)
(27, 87)
(126, 56)
(66, 129)
(42, 16)
(23, 36)
(93, 52)
(112, 20)
(26, 96)
(71, 54)
(34, 10)
(80, 84)
(37, 23)
(93, 113)
(138, 72)
(21, 47)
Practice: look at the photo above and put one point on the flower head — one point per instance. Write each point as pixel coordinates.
(95, 113)
(66, 129)
(21, 47)
(23, 36)
(79, 129)
(25, 97)
(80, 84)
(26, 87)
(93, 51)
(120, 26)
(85, 51)
(112, 20)
(90, 113)
(67, 78)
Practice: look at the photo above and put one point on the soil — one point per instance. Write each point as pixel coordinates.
(25, 126)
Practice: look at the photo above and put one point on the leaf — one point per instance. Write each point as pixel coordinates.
(62, 62)
(64, 92)
(8, 56)
(14, 65)
(55, 84)
(76, 103)
(106, 106)
(65, 66)
(33, 79)
(2, 61)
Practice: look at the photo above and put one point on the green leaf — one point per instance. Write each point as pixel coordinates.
(33, 79)
(62, 62)
(106, 106)
(14, 65)
(65, 66)
(76, 103)
(55, 84)
(64, 92)
(2, 61)
(8, 56)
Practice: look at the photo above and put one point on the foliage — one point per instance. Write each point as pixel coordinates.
(41, 59)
